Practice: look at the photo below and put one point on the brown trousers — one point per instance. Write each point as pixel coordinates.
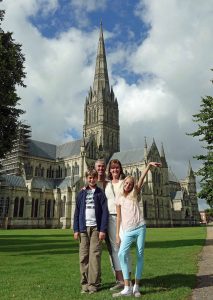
(90, 259)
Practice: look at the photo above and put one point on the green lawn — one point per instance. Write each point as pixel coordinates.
(43, 264)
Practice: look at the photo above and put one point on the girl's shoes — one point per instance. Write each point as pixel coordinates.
(123, 293)
(137, 294)
(136, 291)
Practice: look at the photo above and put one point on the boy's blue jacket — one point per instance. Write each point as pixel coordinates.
(101, 211)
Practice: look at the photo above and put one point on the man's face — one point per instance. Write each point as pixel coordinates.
(100, 168)
(91, 181)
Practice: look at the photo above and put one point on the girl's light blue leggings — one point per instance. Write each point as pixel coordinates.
(129, 237)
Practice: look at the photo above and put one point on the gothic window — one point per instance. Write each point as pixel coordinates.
(68, 171)
(6, 207)
(94, 116)
(187, 214)
(53, 210)
(97, 115)
(47, 210)
(76, 168)
(63, 202)
(158, 209)
(16, 205)
(34, 208)
(1, 206)
(28, 169)
(42, 172)
(21, 208)
(36, 171)
(90, 117)
(65, 172)
(145, 209)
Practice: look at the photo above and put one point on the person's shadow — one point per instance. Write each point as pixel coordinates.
(170, 282)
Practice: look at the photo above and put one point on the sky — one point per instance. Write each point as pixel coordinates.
(159, 56)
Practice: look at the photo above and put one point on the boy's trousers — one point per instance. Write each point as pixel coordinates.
(90, 259)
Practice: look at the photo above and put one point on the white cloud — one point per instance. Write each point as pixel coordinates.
(172, 66)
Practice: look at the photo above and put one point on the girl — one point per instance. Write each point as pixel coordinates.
(133, 225)
(112, 190)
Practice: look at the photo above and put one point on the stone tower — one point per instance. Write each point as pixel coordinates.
(101, 114)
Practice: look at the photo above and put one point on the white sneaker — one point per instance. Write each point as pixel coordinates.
(123, 293)
(137, 293)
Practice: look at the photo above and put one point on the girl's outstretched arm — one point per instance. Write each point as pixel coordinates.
(143, 175)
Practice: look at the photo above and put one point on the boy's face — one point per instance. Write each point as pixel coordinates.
(92, 180)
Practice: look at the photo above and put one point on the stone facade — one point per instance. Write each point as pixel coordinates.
(39, 181)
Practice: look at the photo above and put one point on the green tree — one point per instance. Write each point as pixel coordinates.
(11, 75)
(205, 131)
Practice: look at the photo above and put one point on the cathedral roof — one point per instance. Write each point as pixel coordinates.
(41, 149)
(50, 183)
(129, 156)
(68, 149)
(50, 151)
(13, 180)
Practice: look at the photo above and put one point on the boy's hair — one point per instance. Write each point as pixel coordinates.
(91, 172)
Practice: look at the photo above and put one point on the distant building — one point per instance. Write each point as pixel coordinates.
(39, 181)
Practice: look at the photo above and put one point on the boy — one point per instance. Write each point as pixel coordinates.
(90, 226)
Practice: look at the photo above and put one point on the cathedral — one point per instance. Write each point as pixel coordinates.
(39, 181)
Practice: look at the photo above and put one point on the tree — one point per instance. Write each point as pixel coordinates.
(205, 130)
(11, 74)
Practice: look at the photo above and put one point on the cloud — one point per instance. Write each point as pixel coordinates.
(169, 70)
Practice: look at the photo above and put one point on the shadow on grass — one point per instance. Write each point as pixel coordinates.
(175, 243)
(38, 244)
(170, 282)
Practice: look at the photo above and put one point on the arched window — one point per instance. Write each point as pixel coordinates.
(16, 205)
(49, 209)
(63, 203)
(158, 209)
(145, 209)
(21, 208)
(34, 208)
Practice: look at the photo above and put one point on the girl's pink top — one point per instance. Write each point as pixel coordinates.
(131, 215)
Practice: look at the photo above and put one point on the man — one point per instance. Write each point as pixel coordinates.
(100, 167)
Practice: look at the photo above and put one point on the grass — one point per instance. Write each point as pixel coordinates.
(43, 264)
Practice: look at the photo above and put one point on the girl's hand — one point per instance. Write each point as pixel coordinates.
(76, 235)
(118, 240)
(155, 164)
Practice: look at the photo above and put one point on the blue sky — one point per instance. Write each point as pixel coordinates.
(159, 62)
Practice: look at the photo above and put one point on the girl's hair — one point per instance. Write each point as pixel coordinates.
(133, 193)
(117, 162)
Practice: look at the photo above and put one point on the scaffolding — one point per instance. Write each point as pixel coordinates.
(12, 164)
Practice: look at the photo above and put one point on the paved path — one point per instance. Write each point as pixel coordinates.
(204, 289)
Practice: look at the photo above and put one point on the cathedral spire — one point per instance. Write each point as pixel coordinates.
(190, 171)
(145, 149)
(101, 80)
